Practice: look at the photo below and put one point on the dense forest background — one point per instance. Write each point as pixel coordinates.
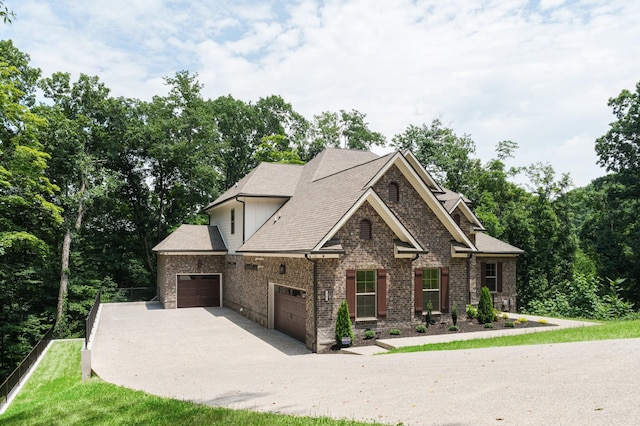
(89, 183)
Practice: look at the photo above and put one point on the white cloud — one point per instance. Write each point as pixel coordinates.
(536, 74)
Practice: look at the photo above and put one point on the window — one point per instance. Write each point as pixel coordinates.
(491, 276)
(456, 219)
(365, 294)
(365, 229)
(233, 221)
(394, 192)
(431, 289)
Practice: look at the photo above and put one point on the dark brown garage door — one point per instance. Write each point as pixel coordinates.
(198, 290)
(290, 312)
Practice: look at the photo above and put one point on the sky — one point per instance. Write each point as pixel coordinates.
(538, 73)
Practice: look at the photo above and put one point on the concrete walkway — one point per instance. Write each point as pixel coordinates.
(213, 356)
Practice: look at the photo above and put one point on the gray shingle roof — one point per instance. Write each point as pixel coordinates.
(487, 244)
(322, 197)
(268, 179)
(193, 238)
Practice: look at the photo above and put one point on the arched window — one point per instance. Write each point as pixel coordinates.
(365, 229)
(394, 192)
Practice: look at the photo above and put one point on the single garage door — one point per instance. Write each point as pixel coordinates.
(198, 290)
(290, 312)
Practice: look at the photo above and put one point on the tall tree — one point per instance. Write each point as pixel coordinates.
(28, 217)
(75, 134)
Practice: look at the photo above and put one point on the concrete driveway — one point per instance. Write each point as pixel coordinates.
(214, 356)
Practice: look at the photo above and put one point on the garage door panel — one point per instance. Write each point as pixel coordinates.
(198, 291)
(290, 313)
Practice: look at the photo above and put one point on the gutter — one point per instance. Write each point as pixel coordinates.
(315, 302)
(243, 215)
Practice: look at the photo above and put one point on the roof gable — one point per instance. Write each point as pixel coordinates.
(266, 180)
(385, 213)
(416, 179)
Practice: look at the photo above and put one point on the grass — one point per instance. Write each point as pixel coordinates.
(607, 330)
(56, 395)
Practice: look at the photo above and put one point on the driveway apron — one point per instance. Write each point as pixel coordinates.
(214, 356)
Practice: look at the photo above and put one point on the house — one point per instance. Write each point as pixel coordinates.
(287, 243)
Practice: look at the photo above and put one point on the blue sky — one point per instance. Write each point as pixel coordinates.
(535, 72)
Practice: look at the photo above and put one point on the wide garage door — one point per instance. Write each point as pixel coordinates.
(198, 290)
(290, 312)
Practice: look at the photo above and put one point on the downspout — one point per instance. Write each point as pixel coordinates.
(243, 216)
(315, 301)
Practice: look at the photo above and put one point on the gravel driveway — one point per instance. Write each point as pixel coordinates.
(216, 357)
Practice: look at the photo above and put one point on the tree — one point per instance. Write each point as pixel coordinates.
(343, 324)
(619, 149)
(445, 155)
(485, 307)
(28, 216)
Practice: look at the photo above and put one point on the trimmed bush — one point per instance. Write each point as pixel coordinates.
(543, 321)
(394, 332)
(454, 328)
(429, 310)
(454, 315)
(485, 307)
(421, 328)
(343, 324)
(369, 334)
(488, 325)
(472, 312)
(509, 324)
(505, 316)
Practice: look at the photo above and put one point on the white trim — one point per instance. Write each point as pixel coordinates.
(481, 255)
(192, 253)
(381, 208)
(199, 273)
(324, 256)
(270, 254)
(424, 174)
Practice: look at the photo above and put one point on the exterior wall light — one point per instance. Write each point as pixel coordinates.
(282, 269)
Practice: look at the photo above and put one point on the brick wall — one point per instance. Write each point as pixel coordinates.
(169, 266)
(247, 290)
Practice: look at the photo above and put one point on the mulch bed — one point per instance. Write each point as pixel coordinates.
(465, 326)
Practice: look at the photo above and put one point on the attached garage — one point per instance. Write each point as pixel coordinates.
(290, 312)
(198, 291)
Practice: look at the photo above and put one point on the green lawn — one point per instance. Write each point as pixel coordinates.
(607, 330)
(55, 395)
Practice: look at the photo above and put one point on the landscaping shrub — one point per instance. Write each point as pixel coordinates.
(343, 324)
(522, 320)
(509, 324)
(488, 325)
(454, 315)
(454, 328)
(505, 316)
(485, 307)
(543, 321)
(369, 334)
(394, 332)
(421, 328)
(496, 314)
(472, 312)
(429, 310)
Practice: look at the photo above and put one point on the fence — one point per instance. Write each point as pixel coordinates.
(91, 319)
(22, 369)
(137, 294)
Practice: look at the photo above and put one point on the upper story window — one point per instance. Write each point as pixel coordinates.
(456, 219)
(394, 192)
(233, 221)
(365, 229)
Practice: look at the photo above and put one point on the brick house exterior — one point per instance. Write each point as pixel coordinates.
(288, 243)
